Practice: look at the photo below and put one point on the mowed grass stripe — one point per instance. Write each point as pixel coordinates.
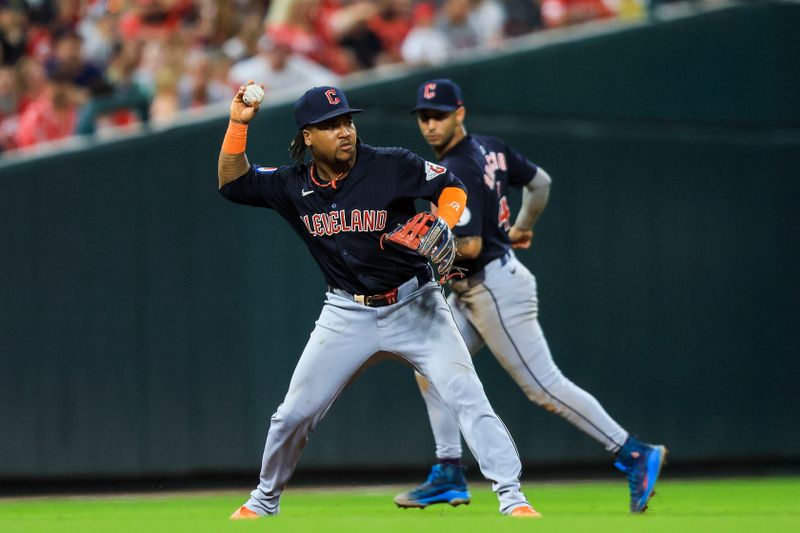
(680, 506)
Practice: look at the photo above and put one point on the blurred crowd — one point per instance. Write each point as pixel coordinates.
(150, 59)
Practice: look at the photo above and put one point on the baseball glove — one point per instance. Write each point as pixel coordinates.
(429, 236)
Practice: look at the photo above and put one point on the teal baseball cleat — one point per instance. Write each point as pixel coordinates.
(642, 464)
(445, 484)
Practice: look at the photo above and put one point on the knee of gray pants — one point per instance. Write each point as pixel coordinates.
(288, 418)
(464, 393)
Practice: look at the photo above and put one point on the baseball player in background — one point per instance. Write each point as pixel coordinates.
(496, 304)
(379, 300)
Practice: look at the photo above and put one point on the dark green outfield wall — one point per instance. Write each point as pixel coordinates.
(147, 326)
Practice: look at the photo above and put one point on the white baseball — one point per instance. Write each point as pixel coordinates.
(253, 95)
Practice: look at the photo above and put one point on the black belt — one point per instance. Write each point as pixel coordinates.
(384, 298)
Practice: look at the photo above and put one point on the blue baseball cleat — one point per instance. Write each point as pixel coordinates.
(641, 463)
(445, 484)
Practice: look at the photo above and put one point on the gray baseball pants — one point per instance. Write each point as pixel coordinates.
(420, 329)
(502, 312)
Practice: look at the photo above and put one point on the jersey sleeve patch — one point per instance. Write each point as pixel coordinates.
(432, 171)
(266, 169)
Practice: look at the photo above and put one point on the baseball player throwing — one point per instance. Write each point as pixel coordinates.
(496, 303)
(381, 297)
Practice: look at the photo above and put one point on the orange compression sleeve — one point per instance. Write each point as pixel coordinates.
(235, 138)
(451, 204)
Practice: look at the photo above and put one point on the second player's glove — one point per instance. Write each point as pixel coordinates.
(429, 236)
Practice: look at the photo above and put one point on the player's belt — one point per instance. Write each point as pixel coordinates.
(388, 297)
(377, 300)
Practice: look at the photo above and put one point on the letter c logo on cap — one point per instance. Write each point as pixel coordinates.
(330, 94)
(430, 91)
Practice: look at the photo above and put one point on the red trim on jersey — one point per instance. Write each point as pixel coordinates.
(323, 184)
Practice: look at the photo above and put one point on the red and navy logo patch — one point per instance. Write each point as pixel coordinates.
(432, 171)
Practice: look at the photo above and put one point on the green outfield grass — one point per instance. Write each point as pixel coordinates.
(770, 505)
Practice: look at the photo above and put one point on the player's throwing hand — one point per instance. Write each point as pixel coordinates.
(240, 111)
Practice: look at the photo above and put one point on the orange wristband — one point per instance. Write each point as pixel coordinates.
(235, 138)
(451, 204)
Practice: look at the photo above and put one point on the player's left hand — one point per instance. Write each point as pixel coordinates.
(520, 238)
(429, 236)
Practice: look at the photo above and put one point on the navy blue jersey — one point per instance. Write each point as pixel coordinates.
(342, 227)
(487, 166)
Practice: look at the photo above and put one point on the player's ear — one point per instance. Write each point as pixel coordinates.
(461, 113)
(307, 136)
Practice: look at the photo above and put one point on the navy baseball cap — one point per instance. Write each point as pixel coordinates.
(441, 95)
(318, 104)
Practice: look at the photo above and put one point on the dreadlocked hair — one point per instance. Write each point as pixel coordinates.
(297, 148)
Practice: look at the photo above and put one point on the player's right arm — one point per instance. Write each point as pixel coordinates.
(232, 163)
(534, 199)
(240, 182)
